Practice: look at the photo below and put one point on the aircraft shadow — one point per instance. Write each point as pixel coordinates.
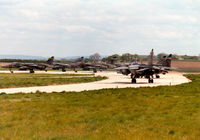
(129, 83)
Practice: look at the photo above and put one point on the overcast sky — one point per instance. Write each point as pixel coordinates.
(83, 27)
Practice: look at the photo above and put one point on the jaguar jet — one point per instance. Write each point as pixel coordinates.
(26, 66)
(87, 66)
(137, 70)
(57, 66)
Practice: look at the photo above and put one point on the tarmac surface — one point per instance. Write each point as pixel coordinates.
(114, 81)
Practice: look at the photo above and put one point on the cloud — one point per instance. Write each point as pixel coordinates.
(100, 25)
(75, 28)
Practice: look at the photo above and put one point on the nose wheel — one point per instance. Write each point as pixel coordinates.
(94, 70)
(32, 71)
(157, 76)
(63, 70)
(150, 80)
(133, 81)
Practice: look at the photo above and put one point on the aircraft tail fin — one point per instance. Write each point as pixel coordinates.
(150, 58)
(113, 60)
(135, 60)
(161, 61)
(166, 61)
(50, 60)
(81, 59)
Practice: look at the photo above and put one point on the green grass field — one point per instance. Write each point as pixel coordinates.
(165, 112)
(27, 80)
(48, 69)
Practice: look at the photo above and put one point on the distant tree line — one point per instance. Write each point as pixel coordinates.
(29, 60)
(127, 57)
(22, 60)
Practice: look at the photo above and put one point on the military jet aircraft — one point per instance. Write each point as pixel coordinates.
(164, 65)
(79, 63)
(87, 66)
(57, 66)
(146, 70)
(26, 66)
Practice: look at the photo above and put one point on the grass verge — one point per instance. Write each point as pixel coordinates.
(165, 112)
(188, 70)
(27, 80)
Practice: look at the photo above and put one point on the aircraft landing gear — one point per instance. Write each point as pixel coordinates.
(11, 71)
(133, 81)
(157, 76)
(75, 70)
(32, 71)
(94, 70)
(150, 80)
(133, 77)
(63, 70)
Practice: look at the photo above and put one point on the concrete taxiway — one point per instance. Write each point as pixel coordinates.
(114, 81)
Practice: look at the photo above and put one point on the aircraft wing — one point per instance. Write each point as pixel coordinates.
(122, 68)
(58, 65)
(141, 70)
(134, 67)
(155, 67)
(44, 64)
(24, 68)
(90, 67)
(30, 65)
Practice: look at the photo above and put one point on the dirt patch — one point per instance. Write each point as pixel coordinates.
(3, 64)
(186, 65)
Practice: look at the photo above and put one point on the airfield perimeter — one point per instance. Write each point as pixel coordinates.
(114, 81)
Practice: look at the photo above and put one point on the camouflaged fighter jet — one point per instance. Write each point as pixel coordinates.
(78, 64)
(147, 70)
(73, 66)
(26, 66)
(87, 66)
(57, 66)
